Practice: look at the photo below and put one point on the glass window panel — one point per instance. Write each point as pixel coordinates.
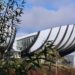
(24, 43)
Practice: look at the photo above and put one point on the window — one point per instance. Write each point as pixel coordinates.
(24, 43)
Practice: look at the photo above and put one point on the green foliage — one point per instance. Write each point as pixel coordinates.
(33, 61)
(47, 55)
(10, 13)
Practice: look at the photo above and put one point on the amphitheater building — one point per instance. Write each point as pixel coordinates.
(62, 37)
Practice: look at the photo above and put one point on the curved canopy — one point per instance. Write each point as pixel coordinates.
(62, 37)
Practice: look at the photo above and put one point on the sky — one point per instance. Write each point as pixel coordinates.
(43, 14)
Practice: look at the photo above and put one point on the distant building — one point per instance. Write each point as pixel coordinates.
(74, 61)
(70, 60)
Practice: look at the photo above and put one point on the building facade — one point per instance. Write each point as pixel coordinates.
(62, 37)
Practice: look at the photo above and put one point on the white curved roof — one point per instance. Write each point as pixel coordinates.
(63, 38)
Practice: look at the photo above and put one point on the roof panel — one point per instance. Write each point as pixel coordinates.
(40, 40)
(60, 36)
(28, 35)
(66, 38)
(54, 34)
(70, 40)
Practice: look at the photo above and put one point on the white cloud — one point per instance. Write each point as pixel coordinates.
(39, 18)
(56, 3)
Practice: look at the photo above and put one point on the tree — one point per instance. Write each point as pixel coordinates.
(10, 12)
(45, 56)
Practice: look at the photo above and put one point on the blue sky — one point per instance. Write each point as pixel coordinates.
(42, 14)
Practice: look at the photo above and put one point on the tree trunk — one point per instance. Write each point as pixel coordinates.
(1, 55)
